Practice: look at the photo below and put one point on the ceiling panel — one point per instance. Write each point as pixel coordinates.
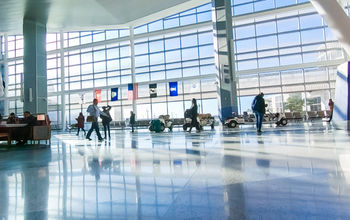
(69, 15)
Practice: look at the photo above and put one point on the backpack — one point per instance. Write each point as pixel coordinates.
(254, 103)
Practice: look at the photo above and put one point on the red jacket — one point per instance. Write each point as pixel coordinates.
(81, 121)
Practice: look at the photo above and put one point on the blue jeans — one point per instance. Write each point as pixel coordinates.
(259, 120)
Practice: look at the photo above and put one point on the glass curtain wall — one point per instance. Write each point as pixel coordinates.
(286, 54)
(282, 49)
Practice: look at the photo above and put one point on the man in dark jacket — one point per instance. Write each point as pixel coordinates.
(258, 107)
(194, 114)
(132, 120)
(23, 134)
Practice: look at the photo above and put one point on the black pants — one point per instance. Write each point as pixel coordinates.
(330, 117)
(81, 129)
(95, 127)
(21, 134)
(194, 123)
(107, 128)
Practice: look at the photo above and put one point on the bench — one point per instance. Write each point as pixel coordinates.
(5, 136)
(38, 132)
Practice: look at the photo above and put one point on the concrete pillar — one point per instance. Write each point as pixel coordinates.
(63, 96)
(341, 112)
(4, 103)
(34, 60)
(224, 59)
(133, 75)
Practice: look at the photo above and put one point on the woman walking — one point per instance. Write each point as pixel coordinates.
(81, 121)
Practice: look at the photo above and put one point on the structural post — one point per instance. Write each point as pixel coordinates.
(63, 96)
(133, 77)
(224, 59)
(4, 72)
(6, 75)
(34, 60)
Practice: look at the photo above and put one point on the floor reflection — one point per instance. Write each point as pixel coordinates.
(24, 183)
(294, 172)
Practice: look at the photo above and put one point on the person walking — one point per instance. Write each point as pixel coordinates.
(194, 114)
(132, 120)
(81, 121)
(95, 113)
(258, 107)
(331, 108)
(106, 121)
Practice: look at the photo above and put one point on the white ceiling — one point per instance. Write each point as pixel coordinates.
(73, 15)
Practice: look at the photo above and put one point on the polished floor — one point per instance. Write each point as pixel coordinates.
(301, 171)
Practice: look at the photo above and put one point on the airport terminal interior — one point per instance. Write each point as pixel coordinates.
(153, 57)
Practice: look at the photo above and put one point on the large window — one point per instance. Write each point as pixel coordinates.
(283, 53)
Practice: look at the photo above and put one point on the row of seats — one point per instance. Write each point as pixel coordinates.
(310, 115)
(40, 131)
(142, 123)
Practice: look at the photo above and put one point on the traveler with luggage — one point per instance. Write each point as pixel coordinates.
(194, 114)
(94, 114)
(258, 107)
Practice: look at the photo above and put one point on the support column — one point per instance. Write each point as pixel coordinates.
(224, 59)
(341, 112)
(132, 54)
(34, 60)
(6, 76)
(63, 95)
(4, 72)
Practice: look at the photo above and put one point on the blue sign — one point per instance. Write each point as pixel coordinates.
(173, 88)
(114, 94)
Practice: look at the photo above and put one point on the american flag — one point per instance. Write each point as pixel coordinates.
(98, 94)
(132, 91)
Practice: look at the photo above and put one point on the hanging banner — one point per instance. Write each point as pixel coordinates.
(153, 90)
(98, 95)
(133, 91)
(173, 88)
(114, 94)
(136, 91)
(130, 91)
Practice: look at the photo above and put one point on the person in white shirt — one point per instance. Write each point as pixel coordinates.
(94, 111)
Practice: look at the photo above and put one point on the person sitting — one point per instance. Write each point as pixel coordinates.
(28, 119)
(12, 119)
(23, 134)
